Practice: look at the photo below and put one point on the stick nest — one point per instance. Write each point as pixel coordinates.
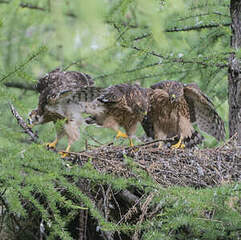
(183, 167)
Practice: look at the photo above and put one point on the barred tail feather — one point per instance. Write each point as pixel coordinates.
(194, 140)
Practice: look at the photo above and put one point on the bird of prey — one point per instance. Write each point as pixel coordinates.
(64, 95)
(121, 105)
(173, 109)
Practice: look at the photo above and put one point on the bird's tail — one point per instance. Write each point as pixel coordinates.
(195, 139)
(148, 127)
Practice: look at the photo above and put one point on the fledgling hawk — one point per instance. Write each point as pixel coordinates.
(173, 109)
(64, 95)
(121, 105)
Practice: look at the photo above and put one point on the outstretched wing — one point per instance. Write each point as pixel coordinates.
(202, 112)
(83, 94)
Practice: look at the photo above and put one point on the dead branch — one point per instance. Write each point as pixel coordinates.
(24, 86)
(23, 124)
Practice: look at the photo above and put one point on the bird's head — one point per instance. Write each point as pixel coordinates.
(174, 96)
(34, 118)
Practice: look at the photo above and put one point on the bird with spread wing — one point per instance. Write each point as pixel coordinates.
(173, 109)
(121, 105)
(64, 95)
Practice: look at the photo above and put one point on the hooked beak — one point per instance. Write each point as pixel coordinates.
(172, 98)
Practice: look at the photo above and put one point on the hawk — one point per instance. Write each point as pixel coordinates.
(175, 107)
(64, 95)
(121, 105)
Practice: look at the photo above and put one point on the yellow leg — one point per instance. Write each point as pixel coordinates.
(52, 144)
(121, 134)
(160, 145)
(65, 154)
(131, 143)
(179, 144)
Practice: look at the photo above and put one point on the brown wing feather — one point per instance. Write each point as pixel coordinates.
(202, 112)
(156, 98)
(58, 79)
(57, 83)
(83, 94)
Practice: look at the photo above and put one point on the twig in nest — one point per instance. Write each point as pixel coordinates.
(23, 124)
(144, 209)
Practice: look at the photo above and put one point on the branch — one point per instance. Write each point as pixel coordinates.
(27, 5)
(176, 29)
(24, 86)
(35, 7)
(23, 64)
(127, 71)
(203, 14)
(145, 35)
(23, 124)
(177, 60)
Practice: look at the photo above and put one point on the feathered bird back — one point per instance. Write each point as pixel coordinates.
(55, 83)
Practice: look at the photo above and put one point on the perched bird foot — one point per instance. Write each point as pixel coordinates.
(179, 144)
(131, 142)
(52, 144)
(64, 154)
(121, 134)
(160, 145)
(134, 149)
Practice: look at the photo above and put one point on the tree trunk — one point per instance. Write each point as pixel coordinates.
(234, 73)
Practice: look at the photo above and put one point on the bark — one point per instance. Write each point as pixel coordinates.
(234, 73)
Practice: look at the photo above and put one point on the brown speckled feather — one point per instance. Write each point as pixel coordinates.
(64, 95)
(123, 106)
(55, 82)
(202, 112)
(166, 119)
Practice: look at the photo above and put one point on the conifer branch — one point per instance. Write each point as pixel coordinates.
(177, 60)
(35, 7)
(203, 14)
(174, 29)
(24, 86)
(20, 66)
(190, 28)
(25, 5)
(23, 124)
(128, 71)
(145, 35)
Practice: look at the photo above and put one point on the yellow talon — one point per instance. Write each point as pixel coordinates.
(52, 144)
(121, 134)
(131, 143)
(66, 153)
(160, 145)
(179, 144)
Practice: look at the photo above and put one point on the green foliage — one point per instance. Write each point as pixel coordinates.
(115, 42)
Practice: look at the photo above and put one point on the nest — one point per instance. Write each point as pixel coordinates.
(183, 167)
